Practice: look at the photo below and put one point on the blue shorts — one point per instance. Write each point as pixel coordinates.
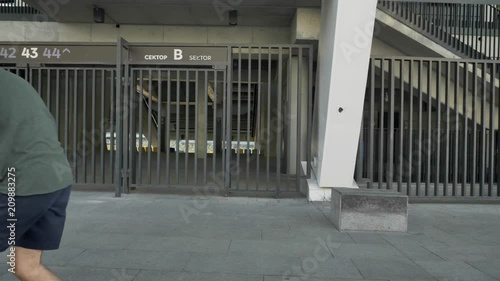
(40, 220)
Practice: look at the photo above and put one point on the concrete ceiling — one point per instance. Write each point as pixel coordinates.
(179, 12)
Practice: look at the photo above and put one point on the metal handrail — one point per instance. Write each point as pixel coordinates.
(471, 30)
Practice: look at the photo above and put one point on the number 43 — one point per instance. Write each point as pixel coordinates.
(30, 53)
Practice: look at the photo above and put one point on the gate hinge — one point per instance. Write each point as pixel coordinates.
(127, 82)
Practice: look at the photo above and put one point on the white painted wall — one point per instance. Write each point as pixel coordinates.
(25, 31)
(344, 52)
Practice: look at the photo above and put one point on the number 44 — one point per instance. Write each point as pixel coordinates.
(52, 53)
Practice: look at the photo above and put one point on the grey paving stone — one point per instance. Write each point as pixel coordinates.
(490, 267)
(113, 226)
(132, 259)
(455, 270)
(87, 273)
(467, 252)
(242, 263)
(188, 276)
(299, 278)
(318, 267)
(393, 269)
(217, 232)
(96, 240)
(291, 248)
(367, 238)
(180, 244)
(62, 256)
(417, 253)
(367, 251)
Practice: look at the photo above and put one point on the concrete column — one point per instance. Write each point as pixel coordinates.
(344, 52)
(202, 120)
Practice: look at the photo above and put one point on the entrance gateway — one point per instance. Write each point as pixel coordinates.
(234, 119)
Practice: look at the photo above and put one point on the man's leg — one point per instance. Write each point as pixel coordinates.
(30, 268)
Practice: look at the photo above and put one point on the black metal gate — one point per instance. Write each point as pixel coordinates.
(239, 125)
(176, 123)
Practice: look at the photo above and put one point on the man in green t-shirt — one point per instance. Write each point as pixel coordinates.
(35, 180)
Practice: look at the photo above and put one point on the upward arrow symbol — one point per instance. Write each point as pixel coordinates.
(66, 51)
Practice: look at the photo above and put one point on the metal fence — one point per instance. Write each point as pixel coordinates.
(81, 100)
(472, 30)
(16, 7)
(430, 127)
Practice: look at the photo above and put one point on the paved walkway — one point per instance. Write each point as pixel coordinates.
(144, 237)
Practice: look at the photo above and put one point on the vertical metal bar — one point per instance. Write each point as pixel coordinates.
(167, 133)
(178, 123)
(187, 138)
(92, 161)
(457, 129)
(249, 100)
(492, 127)
(228, 121)
(474, 131)
(280, 126)
(299, 123)
(497, 72)
(102, 128)
(438, 129)
(205, 149)
(118, 104)
(132, 147)
(429, 127)
(497, 34)
(49, 106)
(112, 125)
(84, 131)
(467, 28)
(141, 120)
(287, 111)
(371, 125)
(490, 28)
(125, 134)
(473, 42)
(492, 130)
(238, 131)
(401, 124)
(309, 114)
(58, 98)
(462, 24)
(159, 129)
(259, 95)
(196, 127)
(410, 131)
(214, 129)
(447, 131)
(420, 131)
(390, 150)
(465, 127)
(268, 146)
(150, 119)
(483, 129)
(66, 110)
(75, 127)
(381, 167)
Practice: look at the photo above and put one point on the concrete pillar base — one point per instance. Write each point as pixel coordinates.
(369, 210)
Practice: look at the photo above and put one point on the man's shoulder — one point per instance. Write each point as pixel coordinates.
(12, 81)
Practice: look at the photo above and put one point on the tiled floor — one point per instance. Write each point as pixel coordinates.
(145, 237)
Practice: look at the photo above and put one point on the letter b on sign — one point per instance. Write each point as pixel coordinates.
(178, 54)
